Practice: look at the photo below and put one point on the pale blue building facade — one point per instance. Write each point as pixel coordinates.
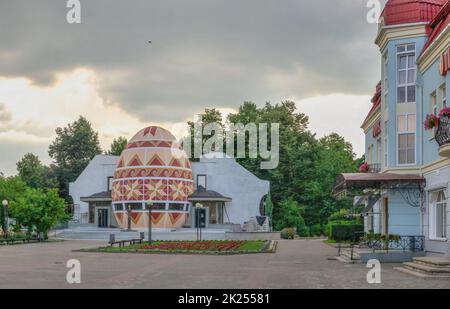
(414, 81)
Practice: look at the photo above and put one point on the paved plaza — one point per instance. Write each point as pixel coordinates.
(297, 264)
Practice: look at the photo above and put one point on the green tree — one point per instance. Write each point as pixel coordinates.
(297, 149)
(289, 216)
(209, 116)
(307, 165)
(118, 145)
(334, 156)
(10, 189)
(72, 150)
(268, 208)
(38, 210)
(35, 174)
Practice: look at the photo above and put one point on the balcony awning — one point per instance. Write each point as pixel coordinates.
(376, 181)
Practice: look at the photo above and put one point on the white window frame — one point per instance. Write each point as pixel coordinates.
(370, 154)
(386, 79)
(434, 103)
(407, 132)
(379, 144)
(433, 215)
(407, 69)
(443, 95)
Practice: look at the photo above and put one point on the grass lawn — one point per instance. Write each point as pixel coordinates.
(194, 247)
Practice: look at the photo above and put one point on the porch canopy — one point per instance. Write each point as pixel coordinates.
(98, 197)
(376, 181)
(202, 195)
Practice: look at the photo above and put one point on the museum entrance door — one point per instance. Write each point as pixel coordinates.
(102, 217)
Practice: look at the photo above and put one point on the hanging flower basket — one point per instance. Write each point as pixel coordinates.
(364, 168)
(431, 121)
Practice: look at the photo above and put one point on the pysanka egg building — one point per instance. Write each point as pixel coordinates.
(152, 168)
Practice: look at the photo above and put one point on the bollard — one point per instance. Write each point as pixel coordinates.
(112, 239)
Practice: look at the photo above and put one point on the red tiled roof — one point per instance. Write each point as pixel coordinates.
(410, 11)
(376, 101)
(438, 24)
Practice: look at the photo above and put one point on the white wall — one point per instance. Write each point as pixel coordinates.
(227, 177)
(93, 179)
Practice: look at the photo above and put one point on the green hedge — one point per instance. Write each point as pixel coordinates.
(345, 232)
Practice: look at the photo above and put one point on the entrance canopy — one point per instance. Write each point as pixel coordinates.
(98, 197)
(202, 195)
(376, 181)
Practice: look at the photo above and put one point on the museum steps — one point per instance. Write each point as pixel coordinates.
(427, 268)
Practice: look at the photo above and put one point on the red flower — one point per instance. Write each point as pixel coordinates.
(364, 168)
(196, 245)
(431, 121)
(444, 112)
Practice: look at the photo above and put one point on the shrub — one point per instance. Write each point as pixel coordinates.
(336, 222)
(345, 232)
(288, 233)
(316, 230)
(39, 211)
(341, 215)
(289, 216)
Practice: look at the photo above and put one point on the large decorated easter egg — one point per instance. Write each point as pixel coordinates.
(152, 170)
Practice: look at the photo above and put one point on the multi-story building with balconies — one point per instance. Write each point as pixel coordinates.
(406, 182)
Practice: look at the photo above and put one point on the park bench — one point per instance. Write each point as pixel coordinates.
(121, 243)
(13, 240)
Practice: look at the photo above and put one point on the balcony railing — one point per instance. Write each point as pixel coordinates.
(374, 168)
(404, 243)
(442, 136)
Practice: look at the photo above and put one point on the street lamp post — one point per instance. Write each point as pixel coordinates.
(198, 212)
(5, 218)
(149, 208)
(129, 218)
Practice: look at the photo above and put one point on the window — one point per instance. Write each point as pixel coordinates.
(370, 154)
(434, 104)
(385, 79)
(386, 144)
(201, 181)
(158, 206)
(438, 215)
(406, 142)
(118, 207)
(133, 206)
(379, 151)
(110, 183)
(176, 207)
(406, 74)
(443, 96)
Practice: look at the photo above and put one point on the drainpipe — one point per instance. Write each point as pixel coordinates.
(421, 142)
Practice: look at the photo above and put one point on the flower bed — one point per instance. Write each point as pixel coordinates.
(194, 247)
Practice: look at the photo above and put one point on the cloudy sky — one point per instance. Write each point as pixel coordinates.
(205, 53)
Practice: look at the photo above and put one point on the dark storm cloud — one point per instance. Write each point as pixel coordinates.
(204, 52)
